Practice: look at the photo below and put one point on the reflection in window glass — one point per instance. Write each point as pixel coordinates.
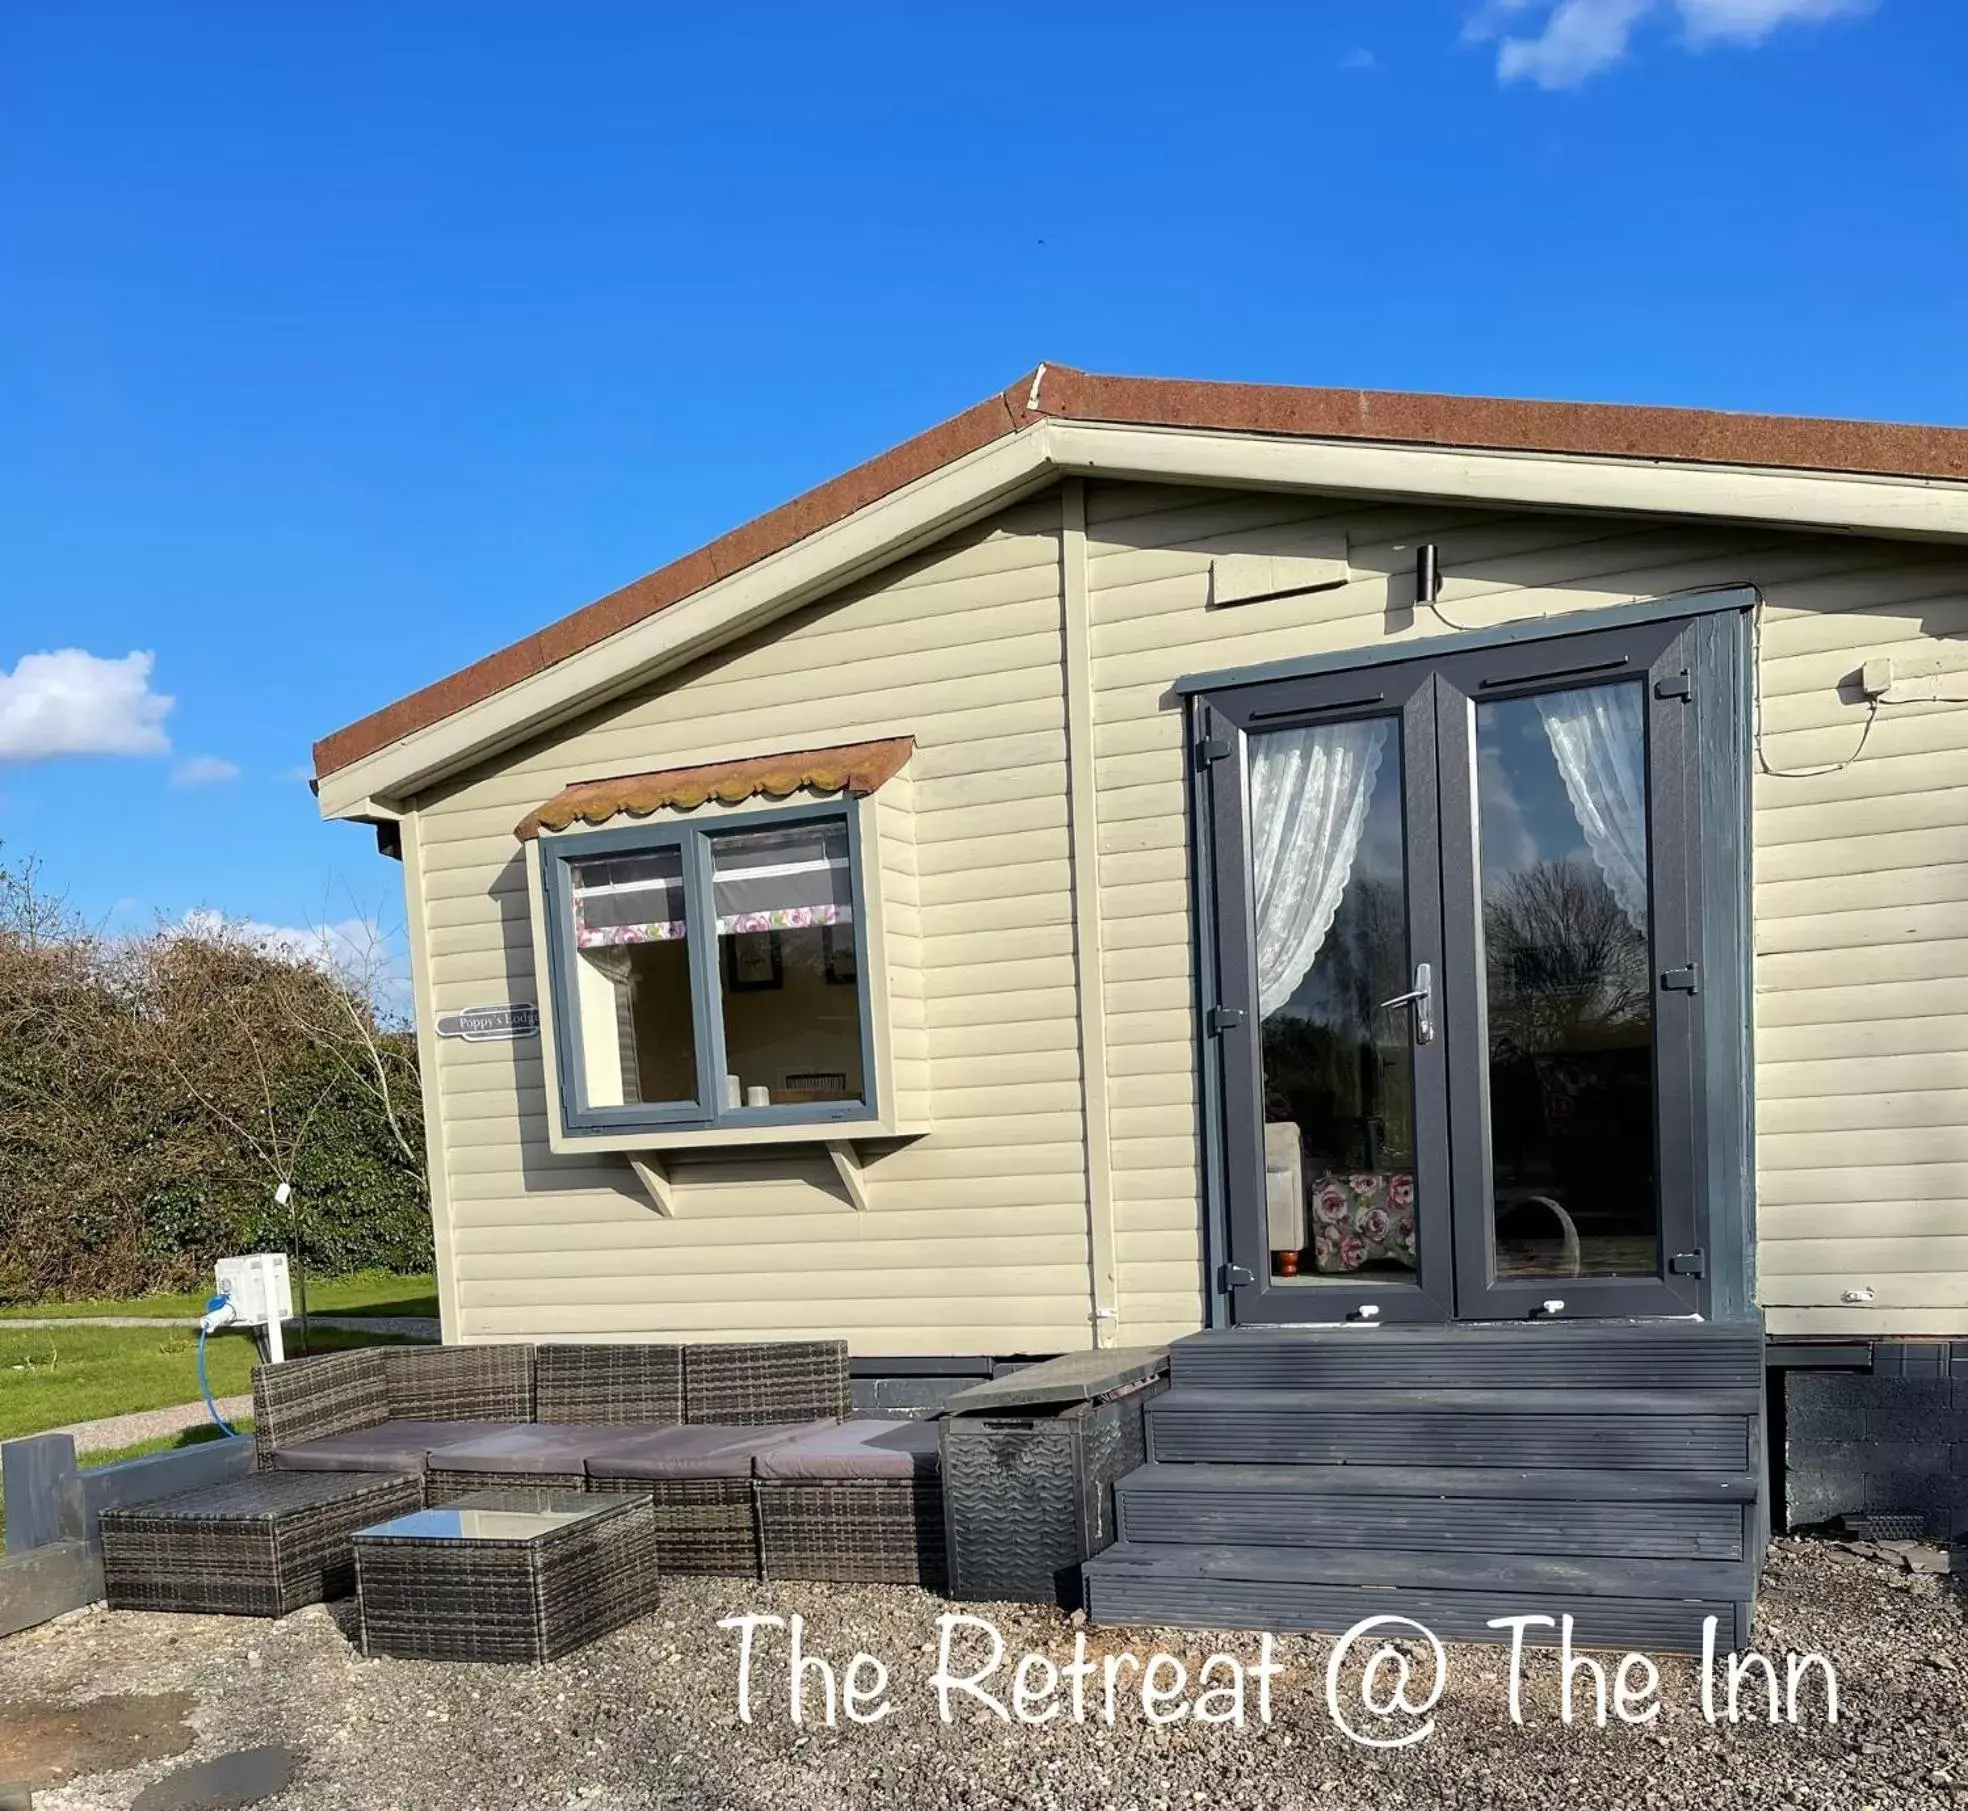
(788, 964)
(632, 974)
(1329, 882)
(1562, 802)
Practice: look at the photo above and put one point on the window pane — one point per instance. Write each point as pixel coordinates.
(632, 974)
(788, 966)
(1562, 799)
(1330, 883)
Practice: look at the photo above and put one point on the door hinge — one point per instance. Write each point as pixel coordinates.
(1235, 1276)
(1675, 685)
(1688, 1264)
(1682, 980)
(1212, 748)
(1220, 1019)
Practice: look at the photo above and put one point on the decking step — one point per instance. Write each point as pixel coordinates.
(1463, 1509)
(1557, 1354)
(1620, 1603)
(1598, 1429)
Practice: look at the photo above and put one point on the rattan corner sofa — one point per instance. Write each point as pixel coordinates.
(747, 1451)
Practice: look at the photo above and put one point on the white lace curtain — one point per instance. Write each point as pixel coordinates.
(1597, 737)
(1309, 793)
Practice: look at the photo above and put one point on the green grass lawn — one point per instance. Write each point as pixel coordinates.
(368, 1292)
(54, 1376)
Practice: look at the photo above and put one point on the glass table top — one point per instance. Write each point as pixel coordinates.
(497, 1515)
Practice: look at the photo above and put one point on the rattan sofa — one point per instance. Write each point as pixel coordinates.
(699, 1429)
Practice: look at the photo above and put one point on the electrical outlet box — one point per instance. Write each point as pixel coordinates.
(259, 1288)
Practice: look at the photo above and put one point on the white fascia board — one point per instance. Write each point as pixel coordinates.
(1927, 509)
(887, 530)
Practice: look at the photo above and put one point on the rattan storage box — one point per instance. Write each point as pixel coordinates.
(260, 1546)
(1029, 1463)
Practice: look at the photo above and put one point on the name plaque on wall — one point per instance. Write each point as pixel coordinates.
(491, 1024)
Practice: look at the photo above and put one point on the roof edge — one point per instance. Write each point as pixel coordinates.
(1062, 393)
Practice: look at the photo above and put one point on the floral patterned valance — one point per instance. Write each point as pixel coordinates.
(856, 769)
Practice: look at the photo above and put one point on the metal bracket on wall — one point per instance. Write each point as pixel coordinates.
(653, 1172)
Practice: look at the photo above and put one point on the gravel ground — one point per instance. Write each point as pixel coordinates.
(646, 1717)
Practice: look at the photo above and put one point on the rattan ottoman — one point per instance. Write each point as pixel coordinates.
(519, 1576)
(259, 1546)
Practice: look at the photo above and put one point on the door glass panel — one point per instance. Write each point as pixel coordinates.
(1561, 788)
(1329, 886)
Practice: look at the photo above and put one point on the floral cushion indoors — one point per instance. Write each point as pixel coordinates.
(1363, 1217)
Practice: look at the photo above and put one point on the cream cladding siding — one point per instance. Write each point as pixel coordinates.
(1861, 902)
(976, 1237)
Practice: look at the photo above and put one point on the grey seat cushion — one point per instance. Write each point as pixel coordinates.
(535, 1446)
(402, 1446)
(857, 1449)
(684, 1452)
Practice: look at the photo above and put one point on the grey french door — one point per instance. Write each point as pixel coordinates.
(1456, 955)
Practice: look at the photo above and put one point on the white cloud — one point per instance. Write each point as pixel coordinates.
(1751, 21)
(204, 770)
(74, 703)
(1359, 59)
(1579, 38)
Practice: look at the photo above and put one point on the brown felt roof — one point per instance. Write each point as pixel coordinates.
(1693, 436)
(855, 767)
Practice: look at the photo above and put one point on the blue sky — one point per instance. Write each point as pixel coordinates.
(340, 346)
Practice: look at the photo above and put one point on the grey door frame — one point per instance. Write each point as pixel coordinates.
(1403, 696)
(1712, 1144)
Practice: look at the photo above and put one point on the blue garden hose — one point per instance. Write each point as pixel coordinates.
(205, 1388)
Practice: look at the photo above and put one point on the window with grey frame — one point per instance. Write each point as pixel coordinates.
(710, 975)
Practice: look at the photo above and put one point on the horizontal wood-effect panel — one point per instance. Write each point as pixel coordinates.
(1783, 866)
(1777, 827)
(1129, 1123)
(1162, 994)
(953, 985)
(1811, 1150)
(1135, 836)
(1161, 1027)
(1163, 960)
(1889, 944)
(1855, 1003)
(1176, 1151)
(1036, 860)
(1920, 1289)
(1014, 1035)
(948, 757)
(1884, 1071)
(1049, 1002)
(1881, 772)
(1168, 1055)
(1857, 1183)
(1165, 796)
(496, 1283)
(993, 1207)
(1876, 1322)
(1127, 1092)
(953, 912)
(1031, 800)
(1906, 733)
(1858, 1222)
(1937, 1253)
(1144, 868)
(927, 1329)
(1867, 1107)
(1147, 911)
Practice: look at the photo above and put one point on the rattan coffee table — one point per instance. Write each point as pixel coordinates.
(506, 1575)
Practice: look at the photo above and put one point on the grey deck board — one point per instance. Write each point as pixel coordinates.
(1477, 1401)
(1577, 1485)
(1529, 1573)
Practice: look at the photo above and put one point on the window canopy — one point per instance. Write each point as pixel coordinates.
(855, 769)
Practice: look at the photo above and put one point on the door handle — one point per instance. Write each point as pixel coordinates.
(1421, 998)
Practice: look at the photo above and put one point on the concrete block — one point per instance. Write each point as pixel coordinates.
(1822, 1496)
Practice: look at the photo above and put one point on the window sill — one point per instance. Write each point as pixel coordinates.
(732, 1137)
